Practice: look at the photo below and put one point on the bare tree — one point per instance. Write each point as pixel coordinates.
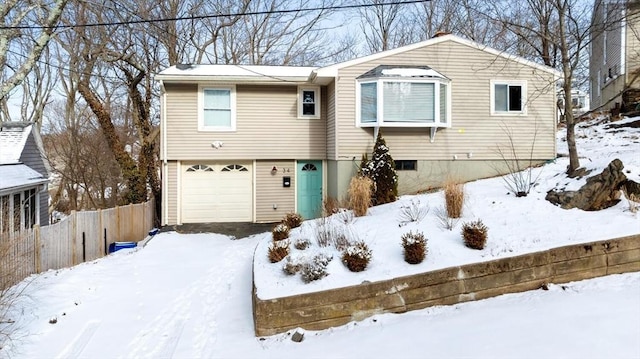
(385, 27)
(26, 26)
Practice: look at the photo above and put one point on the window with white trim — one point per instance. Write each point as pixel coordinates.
(309, 102)
(217, 108)
(508, 97)
(403, 102)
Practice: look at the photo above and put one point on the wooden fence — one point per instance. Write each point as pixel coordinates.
(80, 237)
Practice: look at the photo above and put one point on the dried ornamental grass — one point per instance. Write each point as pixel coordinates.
(454, 198)
(360, 192)
(474, 234)
(280, 232)
(357, 256)
(415, 247)
(278, 250)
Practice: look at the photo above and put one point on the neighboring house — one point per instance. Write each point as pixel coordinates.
(24, 173)
(251, 143)
(580, 103)
(614, 61)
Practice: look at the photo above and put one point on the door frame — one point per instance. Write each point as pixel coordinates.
(323, 180)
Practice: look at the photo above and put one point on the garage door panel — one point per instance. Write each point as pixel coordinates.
(223, 193)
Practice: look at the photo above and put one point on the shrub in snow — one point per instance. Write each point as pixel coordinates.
(412, 212)
(278, 250)
(292, 266)
(382, 170)
(357, 256)
(360, 194)
(474, 234)
(316, 268)
(280, 232)
(302, 243)
(293, 220)
(415, 247)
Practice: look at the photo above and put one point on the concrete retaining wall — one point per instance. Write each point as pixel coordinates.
(321, 310)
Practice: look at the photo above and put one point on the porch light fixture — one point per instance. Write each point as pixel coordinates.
(274, 170)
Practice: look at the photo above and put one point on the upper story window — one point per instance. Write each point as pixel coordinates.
(403, 97)
(309, 102)
(217, 108)
(508, 97)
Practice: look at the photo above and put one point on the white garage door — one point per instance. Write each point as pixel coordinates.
(217, 193)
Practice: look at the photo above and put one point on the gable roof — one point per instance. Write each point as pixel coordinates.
(13, 137)
(332, 70)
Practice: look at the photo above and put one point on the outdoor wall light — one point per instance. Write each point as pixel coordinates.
(274, 170)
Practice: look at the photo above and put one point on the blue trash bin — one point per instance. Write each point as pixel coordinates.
(116, 246)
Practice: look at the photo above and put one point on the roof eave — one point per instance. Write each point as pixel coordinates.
(232, 79)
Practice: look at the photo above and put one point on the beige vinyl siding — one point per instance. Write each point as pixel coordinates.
(474, 130)
(267, 126)
(270, 192)
(331, 121)
(172, 192)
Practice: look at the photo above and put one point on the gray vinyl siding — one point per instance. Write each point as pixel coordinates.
(32, 157)
(270, 192)
(633, 43)
(331, 122)
(172, 192)
(474, 130)
(267, 126)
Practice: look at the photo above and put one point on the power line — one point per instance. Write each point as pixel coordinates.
(201, 17)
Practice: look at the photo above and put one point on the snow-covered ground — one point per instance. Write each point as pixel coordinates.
(188, 296)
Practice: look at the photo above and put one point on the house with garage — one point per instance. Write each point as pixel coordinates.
(614, 55)
(24, 173)
(251, 143)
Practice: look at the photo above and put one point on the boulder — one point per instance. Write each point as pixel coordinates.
(601, 191)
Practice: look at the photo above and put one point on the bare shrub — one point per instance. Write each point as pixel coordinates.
(415, 247)
(454, 198)
(278, 250)
(280, 232)
(13, 262)
(357, 256)
(519, 178)
(360, 192)
(474, 234)
(345, 217)
(293, 220)
(412, 212)
(330, 206)
(444, 220)
(302, 243)
(316, 268)
(323, 231)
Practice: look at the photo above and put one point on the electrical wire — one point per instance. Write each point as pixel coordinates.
(201, 17)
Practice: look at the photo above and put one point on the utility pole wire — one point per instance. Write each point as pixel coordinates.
(200, 17)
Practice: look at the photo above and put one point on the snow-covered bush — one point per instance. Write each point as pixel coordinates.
(280, 231)
(474, 234)
(357, 256)
(415, 247)
(382, 170)
(278, 250)
(292, 220)
(302, 243)
(316, 268)
(292, 265)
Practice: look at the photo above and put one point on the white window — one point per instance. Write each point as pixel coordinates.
(217, 108)
(508, 97)
(308, 102)
(403, 102)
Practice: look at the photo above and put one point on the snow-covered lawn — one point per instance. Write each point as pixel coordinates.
(189, 296)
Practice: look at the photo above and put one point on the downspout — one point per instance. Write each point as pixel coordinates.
(165, 165)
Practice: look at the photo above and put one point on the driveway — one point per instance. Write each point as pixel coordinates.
(236, 230)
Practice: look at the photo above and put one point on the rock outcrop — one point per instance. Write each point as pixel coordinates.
(601, 191)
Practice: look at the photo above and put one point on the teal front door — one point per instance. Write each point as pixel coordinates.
(309, 182)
